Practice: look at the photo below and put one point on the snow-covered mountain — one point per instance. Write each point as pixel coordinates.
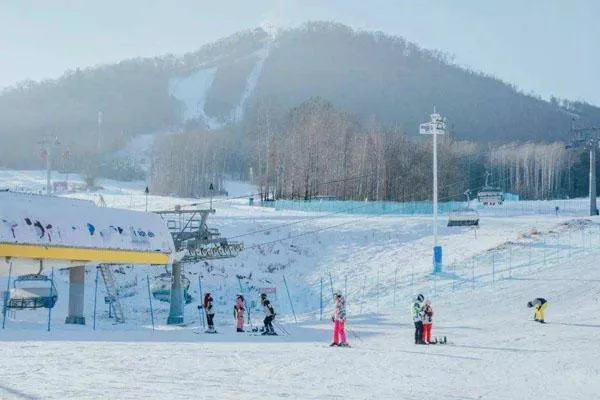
(264, 73)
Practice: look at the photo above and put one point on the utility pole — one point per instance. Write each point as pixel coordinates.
(47, 144)
(99, 131)
(436, 126)
(587, 138)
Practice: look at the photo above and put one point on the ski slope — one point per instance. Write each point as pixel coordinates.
(495, 350)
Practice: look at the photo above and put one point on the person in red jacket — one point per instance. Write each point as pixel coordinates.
(427, 322)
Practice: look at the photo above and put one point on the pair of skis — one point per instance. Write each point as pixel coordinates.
(438, 340)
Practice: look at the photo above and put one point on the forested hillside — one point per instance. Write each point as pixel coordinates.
(293, 109)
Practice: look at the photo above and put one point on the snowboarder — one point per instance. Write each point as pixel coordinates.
(417, 315)
(238, 312)
(339, 320)
(210, 312)
(269, 315)
(427, 322)
(539, 305)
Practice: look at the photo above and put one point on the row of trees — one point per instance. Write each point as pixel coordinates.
(187, 164)
(318, 150)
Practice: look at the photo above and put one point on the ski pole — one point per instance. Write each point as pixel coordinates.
(281, 328)
(353, 333)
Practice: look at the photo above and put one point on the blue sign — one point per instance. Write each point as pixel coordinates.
(437, 259)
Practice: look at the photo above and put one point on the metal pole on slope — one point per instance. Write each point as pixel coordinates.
(96, 295)
(473, 270)
(6, 294)
(331, 285)
(363, 294)
(493, 268)
(50, 308)
(150, 301)
(321, 301)
(395, 283)
(377, 291)
(570, 244)
(346, 287)
(287, 289)
(510, 261)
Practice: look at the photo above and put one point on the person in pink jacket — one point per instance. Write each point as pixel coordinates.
(238, 312)
(339, 320)
(427, 316)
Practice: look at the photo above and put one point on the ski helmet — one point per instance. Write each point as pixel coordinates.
(263, 295)
(420, 297)
(529, 304)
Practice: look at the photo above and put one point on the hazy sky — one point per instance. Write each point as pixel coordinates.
(551, 47)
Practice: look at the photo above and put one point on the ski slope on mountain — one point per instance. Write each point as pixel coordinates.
(380, 262)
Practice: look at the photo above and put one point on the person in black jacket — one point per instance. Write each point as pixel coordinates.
(269, 315)
(210, 312)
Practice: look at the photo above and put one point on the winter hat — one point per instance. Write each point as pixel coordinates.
(529, 304)
(420, 297)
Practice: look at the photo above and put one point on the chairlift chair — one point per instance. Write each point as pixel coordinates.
(31, 292)
(161, 287)
(464, 216)
(490, 195)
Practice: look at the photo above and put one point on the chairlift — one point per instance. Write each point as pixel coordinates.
(490, 195)
(31, 292)
(161, 287)
(464, 216)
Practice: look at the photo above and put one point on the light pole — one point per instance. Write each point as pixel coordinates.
(587, 138)
(436, 126)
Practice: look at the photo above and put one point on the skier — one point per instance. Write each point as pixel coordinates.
(417, 311)
(210, 312)
(238, 312)
(339, 320)
(269, 315)
(539, 305)
(427, 321)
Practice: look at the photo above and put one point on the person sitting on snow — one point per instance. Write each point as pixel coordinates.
(339, 320)
(269, 315)
(427, 322)
(238, 313)
(417, 315)
(539, 305)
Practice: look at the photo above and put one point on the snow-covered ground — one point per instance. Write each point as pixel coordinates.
(380, 262)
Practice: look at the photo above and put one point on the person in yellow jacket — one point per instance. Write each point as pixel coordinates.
(540, 305)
